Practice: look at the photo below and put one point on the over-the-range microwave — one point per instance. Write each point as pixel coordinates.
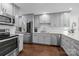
(6, 20)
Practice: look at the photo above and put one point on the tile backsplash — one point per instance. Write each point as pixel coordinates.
(47, 28)
(10, 28)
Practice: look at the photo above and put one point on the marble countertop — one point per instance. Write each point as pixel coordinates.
(71, 35)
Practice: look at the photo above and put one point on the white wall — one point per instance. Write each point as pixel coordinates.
(11, 28)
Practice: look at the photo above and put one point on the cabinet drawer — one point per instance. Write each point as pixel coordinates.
(77, 49)
(35, 38)
(67, 39)
(76, 42)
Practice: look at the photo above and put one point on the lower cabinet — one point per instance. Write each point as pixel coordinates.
(20, 41)
(41, 38)
(35, 38)
(27, 38)
(71, 46)
(46, 38)
(55, 39)
(76, 47)
(68, 45)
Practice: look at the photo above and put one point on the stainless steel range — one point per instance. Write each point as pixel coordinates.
(8, 43)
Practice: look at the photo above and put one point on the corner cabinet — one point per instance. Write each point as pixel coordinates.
(55, 39)
(76, 47)
(67, 44)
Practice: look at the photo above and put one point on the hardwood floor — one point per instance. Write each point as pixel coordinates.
(41, 50)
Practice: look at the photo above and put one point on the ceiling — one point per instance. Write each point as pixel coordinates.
(38, 8)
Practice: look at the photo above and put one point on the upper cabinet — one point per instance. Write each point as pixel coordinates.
(36, 21)
(7, 8)
(44, 18)
(53, 19)
(10, 10)
(60, 20)
(66, 19)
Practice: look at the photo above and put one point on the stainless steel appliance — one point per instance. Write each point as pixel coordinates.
(8, 42)
(5, 20)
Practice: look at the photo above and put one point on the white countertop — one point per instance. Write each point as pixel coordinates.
(71, 35)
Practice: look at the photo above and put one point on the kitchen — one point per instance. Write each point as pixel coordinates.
(39, 29)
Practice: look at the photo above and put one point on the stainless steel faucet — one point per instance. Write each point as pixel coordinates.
(72, 28)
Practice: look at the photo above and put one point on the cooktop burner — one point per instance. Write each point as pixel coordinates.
(4, 35)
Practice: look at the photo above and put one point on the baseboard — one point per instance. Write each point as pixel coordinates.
(43, 44)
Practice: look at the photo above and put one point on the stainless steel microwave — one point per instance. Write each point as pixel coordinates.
(5, 19)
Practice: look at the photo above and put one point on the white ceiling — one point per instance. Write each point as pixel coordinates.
(38, 8)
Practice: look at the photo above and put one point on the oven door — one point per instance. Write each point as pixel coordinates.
(8, 45)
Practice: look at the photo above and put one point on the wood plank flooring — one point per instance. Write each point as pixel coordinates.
(41, 50)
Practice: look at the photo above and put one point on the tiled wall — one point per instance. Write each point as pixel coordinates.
(11, 28)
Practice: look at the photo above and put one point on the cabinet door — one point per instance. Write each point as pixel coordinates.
(41, 38)
(7, 8)
(35, 38)
(67, 44)
(76, 47)
(20, 42)
(66, 21)
(36, 21)
(53, 20)
(47, 39)
(27, 38)
(44, 18)
(53, 39)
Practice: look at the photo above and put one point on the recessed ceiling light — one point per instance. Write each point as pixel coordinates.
(70, 9)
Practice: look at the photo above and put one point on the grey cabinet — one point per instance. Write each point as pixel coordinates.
(67, 45)
(55, 39)
(60, 19)
(27, 38)
(76, 47)
(54, 19)
(46, 38)
(35, 38)
(41, 38)
(36, 21)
